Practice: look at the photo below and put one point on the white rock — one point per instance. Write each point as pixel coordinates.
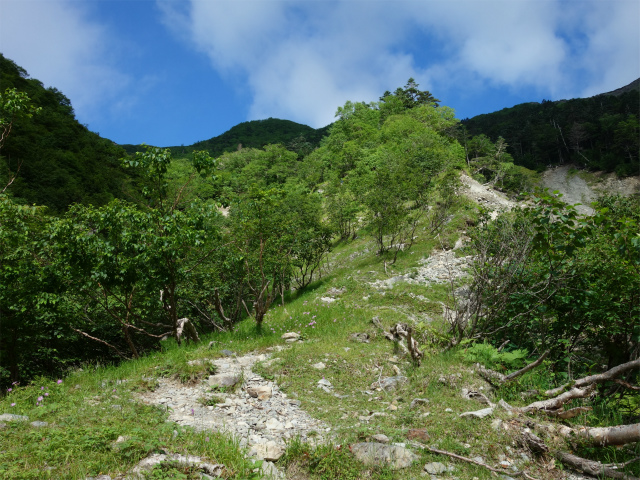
(485, 412)
(290, 335)
(319, 366)
(274, 424)
(270, 451)
(261, 393)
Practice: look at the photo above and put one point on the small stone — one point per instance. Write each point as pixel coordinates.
(485, 412)
(391, 383)
(496, 424)
(271, 471)
(39, 424)
(270, 451)
(505, 464)
(435, 468)
(419, 434)
(223, 380)
(395, 457)
(359, 337)
(448, 410)
(227, 353)
(380, 438)
(290, 336)
(274, 424)
(324, 383)
(261, 393)
(10, 417)
(417, 402)
(319, 366)
(327, 299)
(393, 408)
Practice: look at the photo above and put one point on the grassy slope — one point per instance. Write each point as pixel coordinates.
(84, 422)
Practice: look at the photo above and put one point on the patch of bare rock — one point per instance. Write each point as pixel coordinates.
(252, 409)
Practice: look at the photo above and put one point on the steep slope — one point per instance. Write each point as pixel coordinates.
(62, 162)
(599, 133)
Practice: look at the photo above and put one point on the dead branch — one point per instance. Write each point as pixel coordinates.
(591, 467)
(492, 376)
(209, 319)
(594, 436)
(536, 445)
(185, 325)
(573, 412)
(100, 341)
(557, 402)
(402, 331)
(219, 309)
(470, 460)
(389, 336)
(531, 366)
(622, 465)
(598, 378)
(626, 384)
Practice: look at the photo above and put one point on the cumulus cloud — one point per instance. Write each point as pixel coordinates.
(611, 51)
(57, 42)
(303, 59)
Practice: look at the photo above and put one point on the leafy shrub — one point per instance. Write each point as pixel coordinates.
(491, 357)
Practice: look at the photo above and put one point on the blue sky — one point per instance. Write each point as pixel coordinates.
(172, 72)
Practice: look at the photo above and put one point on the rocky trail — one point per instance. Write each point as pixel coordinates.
(249, 407)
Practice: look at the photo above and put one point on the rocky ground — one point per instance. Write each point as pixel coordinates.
(575, 189)
(249, 407)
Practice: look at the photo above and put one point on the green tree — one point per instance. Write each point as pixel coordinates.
(14, 105)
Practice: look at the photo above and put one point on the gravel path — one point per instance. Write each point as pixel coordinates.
(258, 414)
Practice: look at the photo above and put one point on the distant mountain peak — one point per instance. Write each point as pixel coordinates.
(635, 85)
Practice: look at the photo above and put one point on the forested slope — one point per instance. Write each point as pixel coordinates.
(296, 137)
(60, 161)
(598, 133)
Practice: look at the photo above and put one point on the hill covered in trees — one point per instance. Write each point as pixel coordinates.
(597, 133)
(296, 137)
(58, 160)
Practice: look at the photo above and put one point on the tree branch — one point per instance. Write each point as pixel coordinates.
(598, 378)
(100, 341)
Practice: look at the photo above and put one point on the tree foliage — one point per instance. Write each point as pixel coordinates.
(60, 161)
(599, 133)
(547, 278)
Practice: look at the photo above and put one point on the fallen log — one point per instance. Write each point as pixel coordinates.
(591, 467)
(554, 404)
(598, 378)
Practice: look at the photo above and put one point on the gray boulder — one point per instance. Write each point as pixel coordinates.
(392, 456)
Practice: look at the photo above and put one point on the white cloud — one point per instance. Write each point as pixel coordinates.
(612, 53)
(58, 43)
(303, 59)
